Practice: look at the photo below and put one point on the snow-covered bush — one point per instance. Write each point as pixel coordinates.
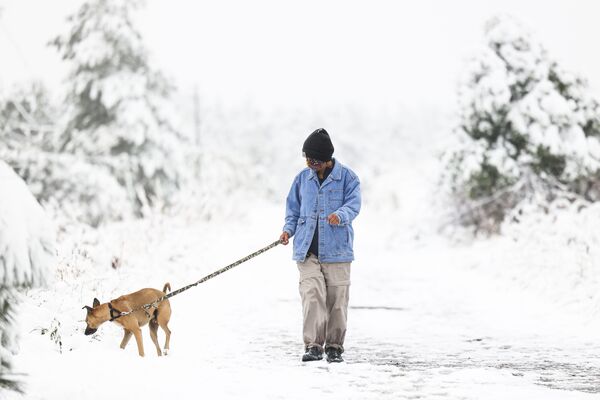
(73, 189)
(527, 130)
(119, 111)
(26, 252)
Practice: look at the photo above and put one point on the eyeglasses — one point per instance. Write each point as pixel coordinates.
(312, 162)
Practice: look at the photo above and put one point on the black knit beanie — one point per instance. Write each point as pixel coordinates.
(318, 145)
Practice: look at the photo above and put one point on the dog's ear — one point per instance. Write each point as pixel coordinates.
(96, 302)
(87, 308)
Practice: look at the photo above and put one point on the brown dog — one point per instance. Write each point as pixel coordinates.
(157, 316)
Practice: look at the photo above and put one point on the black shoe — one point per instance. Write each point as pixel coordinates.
(334, 355)
(313, 354)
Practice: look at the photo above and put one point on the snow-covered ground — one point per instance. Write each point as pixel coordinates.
(513, 316)
(425, 321)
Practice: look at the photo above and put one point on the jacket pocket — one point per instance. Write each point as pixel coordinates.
(300, 235)
(335, 199)
(339, 240)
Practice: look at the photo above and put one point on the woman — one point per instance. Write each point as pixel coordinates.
(322, 203)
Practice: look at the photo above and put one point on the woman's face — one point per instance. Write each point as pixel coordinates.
(316, 165)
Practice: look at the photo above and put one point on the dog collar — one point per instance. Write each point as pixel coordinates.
(114, 313)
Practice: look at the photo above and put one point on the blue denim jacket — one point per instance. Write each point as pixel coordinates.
(308, 203)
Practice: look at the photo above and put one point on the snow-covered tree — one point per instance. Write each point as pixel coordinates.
(26, 253)
(527, 129)
(27, 117)
(119, 112)
(67, 184)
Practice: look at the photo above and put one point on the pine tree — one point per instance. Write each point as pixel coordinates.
(119, 111)
(8, 380)
(528, 130)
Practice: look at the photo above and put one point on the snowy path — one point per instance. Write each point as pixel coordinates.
(421, 325)
(460, 334)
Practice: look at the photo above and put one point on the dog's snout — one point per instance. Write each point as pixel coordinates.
(89, 331)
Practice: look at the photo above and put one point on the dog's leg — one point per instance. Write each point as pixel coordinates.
(137, 332)
(126, 338)
(153, 326)
(162, 322)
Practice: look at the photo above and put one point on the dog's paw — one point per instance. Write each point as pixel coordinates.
(165, 352)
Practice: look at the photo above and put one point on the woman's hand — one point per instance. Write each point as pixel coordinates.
(285, 238)
(333, 219)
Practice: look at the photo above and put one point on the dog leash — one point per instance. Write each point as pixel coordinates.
(114, 313)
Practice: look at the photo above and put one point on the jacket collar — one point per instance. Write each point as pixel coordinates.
(335, 174)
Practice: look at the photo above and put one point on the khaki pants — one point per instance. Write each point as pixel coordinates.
(324, 289)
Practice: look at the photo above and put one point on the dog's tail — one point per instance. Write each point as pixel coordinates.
(167, 286)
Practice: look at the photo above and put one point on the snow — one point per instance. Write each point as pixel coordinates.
(425, 320)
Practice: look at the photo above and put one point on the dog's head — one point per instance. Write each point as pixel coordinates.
(96, 316)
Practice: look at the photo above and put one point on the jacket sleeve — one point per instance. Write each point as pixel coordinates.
(352, 201)
(292, 208)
